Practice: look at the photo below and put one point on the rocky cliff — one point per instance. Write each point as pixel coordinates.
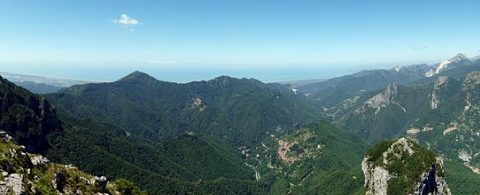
(403, 167)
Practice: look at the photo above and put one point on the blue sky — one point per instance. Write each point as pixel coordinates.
(183, 40)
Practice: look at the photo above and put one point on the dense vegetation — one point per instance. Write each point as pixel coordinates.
(461, 179)
(238, 110)
(189, 163)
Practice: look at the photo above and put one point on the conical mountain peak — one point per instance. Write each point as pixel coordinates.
(138, 76)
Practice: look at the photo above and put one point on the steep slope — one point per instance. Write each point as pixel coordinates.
(29, 118)
(238, 110)
(194, 152)
(25, 173)
(105, 149)
(403, 167)
(169, 167)
(316, 159)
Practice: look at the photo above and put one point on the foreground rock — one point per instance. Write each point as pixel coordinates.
(24, 173)
(403, 167)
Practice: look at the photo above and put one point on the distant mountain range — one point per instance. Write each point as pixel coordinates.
(336, 93)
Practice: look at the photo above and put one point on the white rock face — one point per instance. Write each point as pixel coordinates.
(13, 183)
(376, 179)
(436, 87)
(383, 98)
(39, 160)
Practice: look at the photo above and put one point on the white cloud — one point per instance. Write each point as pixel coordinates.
(126, 20)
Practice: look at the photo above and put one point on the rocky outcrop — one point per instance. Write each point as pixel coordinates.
(24, 173)
(380, 100)
(436, 91)
(388, 167)
(472, 80)
(376, 178)
(383, 98)
(13, 184)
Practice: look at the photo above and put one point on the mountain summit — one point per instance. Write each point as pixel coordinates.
(456, 61)
(138, 76)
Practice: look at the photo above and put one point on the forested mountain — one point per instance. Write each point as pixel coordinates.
(240, 111)
(171, 166)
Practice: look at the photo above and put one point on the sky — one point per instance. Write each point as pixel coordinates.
(271, 40)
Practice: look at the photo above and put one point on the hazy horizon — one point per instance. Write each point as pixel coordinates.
(172, 74)
(190, 40)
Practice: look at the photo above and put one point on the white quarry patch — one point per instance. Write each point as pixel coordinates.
(427, 128)
(430, 73)
(294, 90)
(443, 66)
(464, 156)
(413, 131)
